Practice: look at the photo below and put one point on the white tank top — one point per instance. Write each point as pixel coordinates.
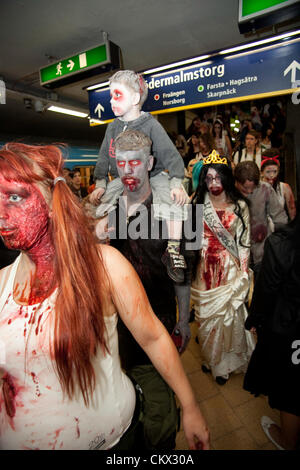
(34, 413)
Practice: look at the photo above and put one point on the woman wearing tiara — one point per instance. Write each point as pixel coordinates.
(222, 280)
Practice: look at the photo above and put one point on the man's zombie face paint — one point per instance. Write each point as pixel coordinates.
(24, 215)
(132, 168)
(270, 173)
(122, 99)
(214, 182)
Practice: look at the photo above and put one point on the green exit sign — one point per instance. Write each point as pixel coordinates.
(255, 7)
(80, 66)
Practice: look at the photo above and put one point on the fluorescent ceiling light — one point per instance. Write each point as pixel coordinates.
(177, 64)
(71, 112)
(258, 43)
(98, 85)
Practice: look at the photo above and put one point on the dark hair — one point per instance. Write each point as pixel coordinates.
(208, 140)
(192, 128)
(264, 130)
(247, 170)
(228, 183)
(75, 170)
(253, 133)
(217, 121)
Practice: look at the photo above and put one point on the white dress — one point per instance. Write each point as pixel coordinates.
(34, 413)
(219, 292)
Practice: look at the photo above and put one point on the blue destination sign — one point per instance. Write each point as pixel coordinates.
(248, 75)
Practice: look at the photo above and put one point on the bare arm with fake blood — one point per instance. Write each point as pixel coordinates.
(130, 300)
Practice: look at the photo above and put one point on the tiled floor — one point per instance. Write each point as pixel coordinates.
(232, 414)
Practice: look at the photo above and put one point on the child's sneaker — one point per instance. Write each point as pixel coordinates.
(175, 264)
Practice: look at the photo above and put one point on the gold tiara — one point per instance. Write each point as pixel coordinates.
(214, 157)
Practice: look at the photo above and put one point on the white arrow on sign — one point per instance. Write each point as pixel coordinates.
(292, 68)
(98, 110)
(70, 64)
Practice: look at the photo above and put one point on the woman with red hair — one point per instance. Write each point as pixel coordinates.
(62, 386)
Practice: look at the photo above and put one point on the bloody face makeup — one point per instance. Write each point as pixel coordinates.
(270, 173)
(122, 100)
(24, 215)
(214, 182)
(132, 168)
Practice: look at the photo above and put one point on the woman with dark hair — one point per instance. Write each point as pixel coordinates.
(193, 148)
(62, 386)
(222, 142)
(270, 167)
(266, 136)
(221, 284)
(195, 127)
(274, 368)
(206, 145)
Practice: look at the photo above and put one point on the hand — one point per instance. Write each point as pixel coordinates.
(96, 195)
(179, 196)
(195, 429)
(182, 339)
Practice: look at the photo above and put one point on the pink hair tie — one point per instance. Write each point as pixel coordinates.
(274, 159)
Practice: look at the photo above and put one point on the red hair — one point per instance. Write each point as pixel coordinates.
(78, 268)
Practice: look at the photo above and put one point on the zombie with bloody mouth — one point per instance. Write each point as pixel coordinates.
(129, 91)
(144, 247)
(221, 284)
(61, 383)
(265, 210)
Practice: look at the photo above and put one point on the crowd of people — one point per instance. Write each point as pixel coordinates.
(234, 133)
(93, 333)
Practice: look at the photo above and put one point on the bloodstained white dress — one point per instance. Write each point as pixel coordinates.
(34, 414)
(219, 292)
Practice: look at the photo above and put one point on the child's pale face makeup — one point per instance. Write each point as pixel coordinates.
(24, 215)
(214, 182)
(122, 99)
(270, 173)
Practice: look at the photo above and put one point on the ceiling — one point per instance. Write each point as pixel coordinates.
(34, 33)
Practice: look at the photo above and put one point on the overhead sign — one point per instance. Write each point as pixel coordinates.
(248, 75)
(79, 66)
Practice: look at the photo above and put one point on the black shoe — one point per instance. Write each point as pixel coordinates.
(205, 369)
(197, 340)
(192, 315)
(220, 380)
(175, 264)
